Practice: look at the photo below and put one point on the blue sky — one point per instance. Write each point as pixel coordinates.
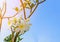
(45, 23)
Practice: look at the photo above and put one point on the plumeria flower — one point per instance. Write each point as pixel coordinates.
(24, 26)
(20, 24)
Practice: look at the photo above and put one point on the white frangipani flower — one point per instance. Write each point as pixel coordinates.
(20, 24)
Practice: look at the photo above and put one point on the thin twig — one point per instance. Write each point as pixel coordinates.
(41, 2)
(12, 16)
(0, 23)
(23, 9)
(35, 8)
(5, 8)
(0, 18)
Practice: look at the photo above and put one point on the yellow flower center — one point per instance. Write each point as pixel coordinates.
(22, 26)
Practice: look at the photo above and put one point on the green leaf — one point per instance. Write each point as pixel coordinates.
(8, 38)
(19, 38)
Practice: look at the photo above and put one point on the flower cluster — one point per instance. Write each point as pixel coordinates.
(19, 24)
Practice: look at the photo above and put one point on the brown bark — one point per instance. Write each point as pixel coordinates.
(0, 21)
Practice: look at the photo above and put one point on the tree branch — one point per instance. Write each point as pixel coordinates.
(0, 23)
(12, 16)
(17, 34)
(12, 40)
(35, 8)
(4, 6)
(0, 18)
(23, 9)
(41, 2)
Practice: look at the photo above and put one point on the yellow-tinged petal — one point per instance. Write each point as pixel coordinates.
(14, 20)
(9, 22)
